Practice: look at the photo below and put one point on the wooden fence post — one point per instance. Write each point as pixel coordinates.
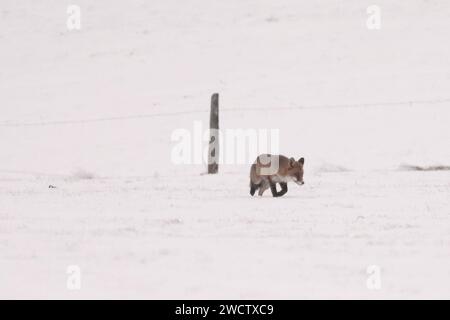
(213, 154)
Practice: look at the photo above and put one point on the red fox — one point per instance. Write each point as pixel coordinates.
(268, 170)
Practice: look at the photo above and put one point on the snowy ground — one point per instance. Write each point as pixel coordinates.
(91, 112)
(203, 237)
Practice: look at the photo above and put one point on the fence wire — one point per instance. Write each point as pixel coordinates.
(409, 103)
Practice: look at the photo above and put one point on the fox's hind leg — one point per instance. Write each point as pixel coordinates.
(253, 188)
(255, 180)
(264, 186)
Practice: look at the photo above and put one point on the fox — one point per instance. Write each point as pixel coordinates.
(268, 170)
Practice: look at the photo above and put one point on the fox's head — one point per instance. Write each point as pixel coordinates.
(296, 170)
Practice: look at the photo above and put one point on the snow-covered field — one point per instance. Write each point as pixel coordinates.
(91, 113)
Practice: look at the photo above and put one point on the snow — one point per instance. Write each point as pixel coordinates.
(87, 179)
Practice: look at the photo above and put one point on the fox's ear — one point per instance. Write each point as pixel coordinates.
(291, 162)
(302, 160)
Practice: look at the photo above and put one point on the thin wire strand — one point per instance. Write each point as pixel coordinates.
(235, 109)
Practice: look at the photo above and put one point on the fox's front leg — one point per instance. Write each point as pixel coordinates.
(273, 188)
(275, 193)
(284, 189)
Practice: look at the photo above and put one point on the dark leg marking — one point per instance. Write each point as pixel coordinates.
(253, 188)
(284, 189)
(273, 188)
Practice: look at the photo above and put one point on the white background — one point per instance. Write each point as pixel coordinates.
(91, 112)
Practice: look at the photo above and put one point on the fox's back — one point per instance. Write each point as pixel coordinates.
(273, 165)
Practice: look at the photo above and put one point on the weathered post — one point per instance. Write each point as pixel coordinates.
(213, 153)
